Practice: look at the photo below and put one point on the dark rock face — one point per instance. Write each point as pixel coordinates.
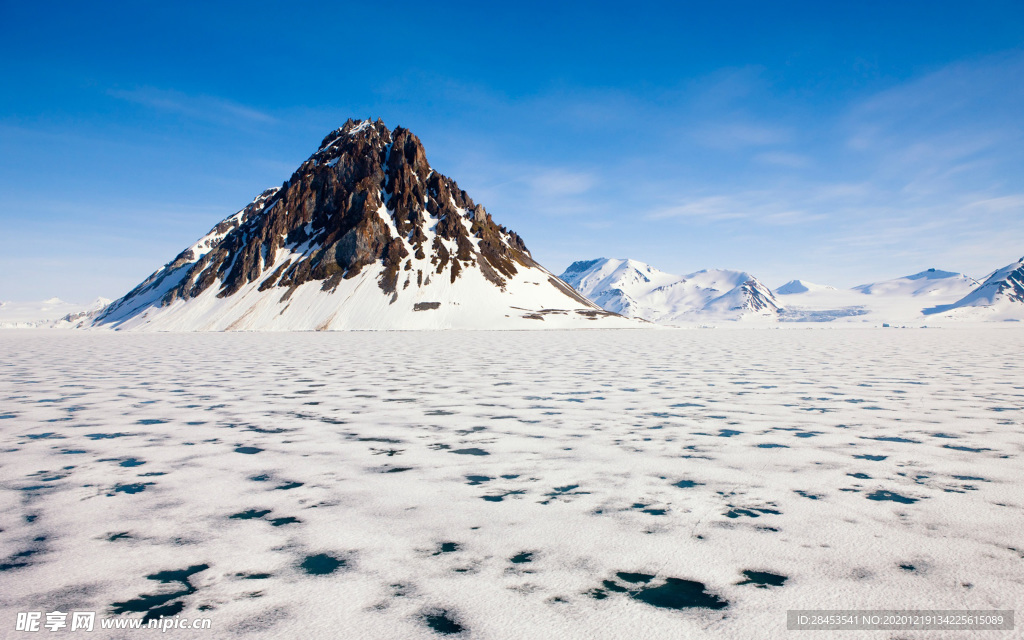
(367, 196)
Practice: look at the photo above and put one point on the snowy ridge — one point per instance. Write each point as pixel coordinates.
(898, 300)
(999, 297)
(364, 235)
(637, 290)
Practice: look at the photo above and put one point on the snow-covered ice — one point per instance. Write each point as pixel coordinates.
(511, 484)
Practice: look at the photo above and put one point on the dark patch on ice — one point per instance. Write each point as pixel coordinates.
(288, 485)
(438, 446)
(635, 578)
(322, 564)
(868, 456)
(961, 448)
(680, 594)
(687, 484)
(442, 621)
(262, 430)
(70, 452)
(499, 498)
(131, 462)
(750, 512)
(440, 412)
(446, 547)
(157, 605)
(728, 433)
(131, 488)
(250, 514)
(891, 439)
(254, 576)
(807, 434)
(972, 478)
(944, 435)
(49, 435)
(37, 487)
(397, 469)
(522, 557)
(807, 494)
(248, 450)
(472, 451)
(263, 477)
(475, 480)
(567, 490)
(771, 445)
(674, 593)
(105, 436)
(278, 522)
(19, 559)
(763, 579)
(882, 495)
(149, 421)
(860, 476)
(384, 440)
(908, 567)
(510, 476)
(123, 535)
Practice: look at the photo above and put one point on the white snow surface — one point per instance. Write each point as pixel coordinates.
(510, 482)
(638, 290)
(529, 301)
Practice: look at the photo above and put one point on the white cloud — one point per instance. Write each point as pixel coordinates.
(198, 107)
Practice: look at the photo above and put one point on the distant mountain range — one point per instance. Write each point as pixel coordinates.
(47, 313)
(638, 290)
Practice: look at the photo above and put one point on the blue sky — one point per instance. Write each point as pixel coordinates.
(835, 142)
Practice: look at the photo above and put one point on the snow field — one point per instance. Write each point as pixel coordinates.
(511, 484)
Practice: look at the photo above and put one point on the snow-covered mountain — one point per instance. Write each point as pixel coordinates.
(364, 235)
(801, 286)
(931, 283)
(45, 313)
(999, 297)
(638, 290)
(899, 300)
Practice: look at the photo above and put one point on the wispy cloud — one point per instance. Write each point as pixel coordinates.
(739, 135)
(783, 159)
(197, 107)
(560, 182)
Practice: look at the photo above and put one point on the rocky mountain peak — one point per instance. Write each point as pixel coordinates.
(368, 195)
(367, 203)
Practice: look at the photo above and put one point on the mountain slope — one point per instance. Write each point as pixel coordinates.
(999, 297)
(364, 235)
(637, 290)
